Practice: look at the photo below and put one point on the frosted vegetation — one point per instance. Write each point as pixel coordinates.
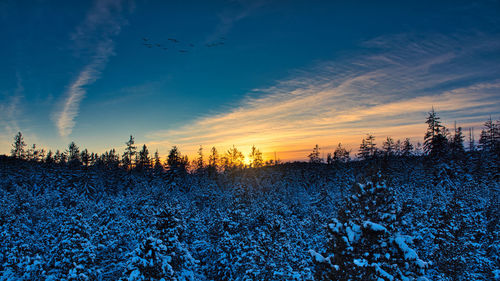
(395, 213)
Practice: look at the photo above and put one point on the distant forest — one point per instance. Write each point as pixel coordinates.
(397, 212)
(439, 144)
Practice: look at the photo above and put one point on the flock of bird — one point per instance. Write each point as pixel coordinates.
(176, 43)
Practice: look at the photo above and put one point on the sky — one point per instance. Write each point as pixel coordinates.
(280, 75)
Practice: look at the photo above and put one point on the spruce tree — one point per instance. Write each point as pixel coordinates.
(199, 165)
(389, 147)
(457, 143)
(213, 161)
(368, 148)
(255, 156)
(158, 167)
(233, 158)
(144, 161)
(314, 156)
(435, 141)
(341, 154)
(407, 148)
(129, 154)
(73, 154)
(18, 146)
(364, 243)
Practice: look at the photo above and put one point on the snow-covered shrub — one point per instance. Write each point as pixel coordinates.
(73, 255)
(149, 262)
(363, 243)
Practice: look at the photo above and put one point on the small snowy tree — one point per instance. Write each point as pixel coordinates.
(169, 229)
(149, 262)
(74, 255)
(363, 243)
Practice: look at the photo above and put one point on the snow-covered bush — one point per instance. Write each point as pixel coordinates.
(363, 243)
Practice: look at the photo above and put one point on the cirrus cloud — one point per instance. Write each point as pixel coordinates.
(384, 92)
(92, 39)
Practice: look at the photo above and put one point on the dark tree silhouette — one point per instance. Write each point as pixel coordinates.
(129, 154)
(144, 161)
(341, 154)
(314, 156)
(18, 146)
(255, 157)
(367, 149)
(435, 141)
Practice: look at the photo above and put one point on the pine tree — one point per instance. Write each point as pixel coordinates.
(407, 148)
(472, 145)
(176, 162)
(158, 167)
(255, 157)
(73, 154)
(111, 159)
(490, 137)
(435, 141)
(362, 242)
(169, 228)
(367, 149)
(174, 158)
(341, 154)
(213, 161)
(49, 159)
(458, 239)
(74, 255)
(314, 156)
(149, 262)
(329, 159)
(63, 158)
(389, 147)
(457, 143)
(18, 146)
(199, 165)
(233, 158)
(85, 157)
(129, 154)
(144, 162)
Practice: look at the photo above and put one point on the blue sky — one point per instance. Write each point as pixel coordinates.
(289, 75)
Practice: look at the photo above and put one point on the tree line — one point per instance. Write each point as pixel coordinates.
(134, 160)
(439, 145)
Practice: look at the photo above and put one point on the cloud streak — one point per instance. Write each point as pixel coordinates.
(11, 114)
(92, 39)
(386, 91)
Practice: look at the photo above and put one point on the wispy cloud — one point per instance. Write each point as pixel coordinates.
(11, 114)
(10, 110)
(92, 39)
(386, 91)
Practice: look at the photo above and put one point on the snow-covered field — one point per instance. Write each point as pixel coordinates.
(388, 219)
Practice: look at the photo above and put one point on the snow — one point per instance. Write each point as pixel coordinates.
(409, 254)
(317, 257)
(261, 224)
(374, 226)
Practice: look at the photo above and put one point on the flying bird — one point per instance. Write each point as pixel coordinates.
(173, 40)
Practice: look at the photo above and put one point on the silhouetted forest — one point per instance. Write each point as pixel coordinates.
(402, 211)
